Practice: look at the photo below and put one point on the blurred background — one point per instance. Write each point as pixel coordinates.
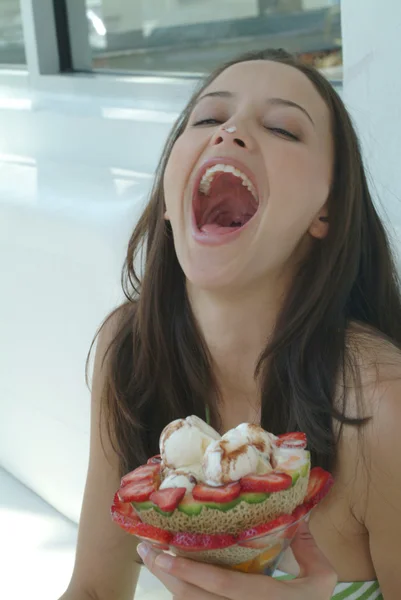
(193, 35)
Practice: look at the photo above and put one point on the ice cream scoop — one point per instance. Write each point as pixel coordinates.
(257, 437)
(184, 441)
(178, 479)
(229, 458)
(195, 471)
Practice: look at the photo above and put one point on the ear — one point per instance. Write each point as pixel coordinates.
(320, 225)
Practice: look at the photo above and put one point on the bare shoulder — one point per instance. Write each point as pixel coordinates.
(371, 386)
(375, 370)
(380, 447)
(379, 363)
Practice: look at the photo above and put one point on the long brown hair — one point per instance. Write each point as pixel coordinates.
(158, 365)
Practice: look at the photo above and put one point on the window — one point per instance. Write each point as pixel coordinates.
(11, 36)
(193, 36)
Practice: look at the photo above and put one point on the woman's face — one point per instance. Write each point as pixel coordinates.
(268, 122)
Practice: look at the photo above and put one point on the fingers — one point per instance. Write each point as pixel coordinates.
(216, 582)
(180, 590)
(311, 560)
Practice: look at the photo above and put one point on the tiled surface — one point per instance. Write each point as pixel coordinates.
(37, 548)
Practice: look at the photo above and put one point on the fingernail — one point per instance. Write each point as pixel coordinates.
(143, 550)
(164, 561)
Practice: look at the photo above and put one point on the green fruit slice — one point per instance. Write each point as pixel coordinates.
(304, 471)
(254, 497)
(148, 505)
(223, 506)
(143, 505)
(162, 512)
(190, 507)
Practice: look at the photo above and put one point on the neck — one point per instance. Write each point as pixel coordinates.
(236, 329)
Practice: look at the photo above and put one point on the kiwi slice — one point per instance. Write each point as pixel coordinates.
(304, 471)
(254, 497)
(223, 506)
(162, 512)
(140, 506)
(192, 509)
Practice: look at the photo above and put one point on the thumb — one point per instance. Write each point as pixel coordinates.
(311, 560)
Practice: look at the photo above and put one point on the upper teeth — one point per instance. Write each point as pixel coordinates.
(207, 178)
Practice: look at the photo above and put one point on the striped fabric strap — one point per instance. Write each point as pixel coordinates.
(360, 590)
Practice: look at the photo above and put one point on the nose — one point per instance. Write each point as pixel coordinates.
(237, 137)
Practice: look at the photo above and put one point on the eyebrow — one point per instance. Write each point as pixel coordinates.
(273, 101)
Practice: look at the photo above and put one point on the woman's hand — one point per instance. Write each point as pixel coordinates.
(190, 580)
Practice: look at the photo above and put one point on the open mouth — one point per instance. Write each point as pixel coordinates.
(225, 200)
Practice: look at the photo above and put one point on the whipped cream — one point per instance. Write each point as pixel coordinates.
(289, 459)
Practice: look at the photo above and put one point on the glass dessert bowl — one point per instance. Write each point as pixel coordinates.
(235, 501)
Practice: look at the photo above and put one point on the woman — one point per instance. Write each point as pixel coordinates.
(274, 302)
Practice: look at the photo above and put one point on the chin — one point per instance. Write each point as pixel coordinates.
(213, 278)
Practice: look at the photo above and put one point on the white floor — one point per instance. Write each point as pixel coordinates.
(37, 548)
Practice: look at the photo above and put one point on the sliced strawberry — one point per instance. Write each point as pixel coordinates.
(169, 498)
(155, 460)
(124, 514)
(208, 493)
(302, 510)
(320, 483)
(271, 482)
(201, 541)
(154, 535)
(124, 508)
(246, 538)
(137, 491)
(145, 472)
(297, 439)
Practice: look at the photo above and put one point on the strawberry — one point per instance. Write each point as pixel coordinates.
(246, 537)
(320, 483)
(271, 482)
(154, 535)
(124, 514)
(225, 493)
(155, 460)
(137, 491)
(169, 498)
(296, 439)
(145, 472)
(302, 510)
(201, 541)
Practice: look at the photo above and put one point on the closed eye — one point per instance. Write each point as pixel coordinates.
(207, 122)
(284, 133)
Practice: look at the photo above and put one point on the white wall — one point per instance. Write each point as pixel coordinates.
(372, 92)
(75, 171)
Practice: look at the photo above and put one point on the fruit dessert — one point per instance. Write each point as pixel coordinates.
(228, 500)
